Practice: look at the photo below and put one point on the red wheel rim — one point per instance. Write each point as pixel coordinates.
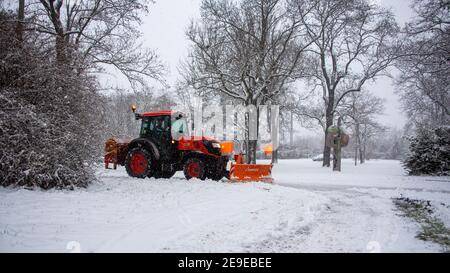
(193, 169)
(138, 163)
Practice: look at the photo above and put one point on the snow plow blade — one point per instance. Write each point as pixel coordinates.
(251, 173)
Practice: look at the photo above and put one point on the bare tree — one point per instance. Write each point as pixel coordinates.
(96, 33)
(362, 108)
(424, 79)
(246, 51)
(288, 100)
(354, 46)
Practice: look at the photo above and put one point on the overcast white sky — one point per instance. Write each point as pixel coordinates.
(164, 30)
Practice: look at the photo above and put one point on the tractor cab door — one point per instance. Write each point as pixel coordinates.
(179, 128)
(157, 129)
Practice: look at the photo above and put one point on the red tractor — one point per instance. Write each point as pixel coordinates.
(164, 147)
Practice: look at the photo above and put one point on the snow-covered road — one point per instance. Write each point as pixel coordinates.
(361, 216)
(309, 209)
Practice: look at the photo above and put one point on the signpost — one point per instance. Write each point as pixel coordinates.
(337, 139)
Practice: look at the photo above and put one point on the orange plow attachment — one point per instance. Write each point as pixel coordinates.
(251, 172)
(240, 172)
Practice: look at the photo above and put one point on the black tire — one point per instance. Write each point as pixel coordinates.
(194, 167)
(216, 170)
(138, 163)
(216, 176)
(166, 174)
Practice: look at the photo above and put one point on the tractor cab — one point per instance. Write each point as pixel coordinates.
(163, 122)
(166, 124)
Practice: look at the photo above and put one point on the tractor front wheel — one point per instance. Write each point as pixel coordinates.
(216, 176)
(194, 168)
(138, 163)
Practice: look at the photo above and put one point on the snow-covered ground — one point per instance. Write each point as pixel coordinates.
(126, 214)
(308, 209)
(361, 215)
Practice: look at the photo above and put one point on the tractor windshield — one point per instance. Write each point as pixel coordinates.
(157, 126)
(179, 128)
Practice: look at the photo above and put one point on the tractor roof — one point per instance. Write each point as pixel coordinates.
(159, 113)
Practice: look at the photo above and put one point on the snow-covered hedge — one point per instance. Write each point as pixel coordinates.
(35, 149)
(429, 152)
(49, 129)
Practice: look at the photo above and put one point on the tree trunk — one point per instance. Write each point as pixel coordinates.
(362, 155)
(251, 144)
(61, 50)
(361, 152)
(20, 19)
(251, 154)
(337, 155)
(274, 131)
(291, 131)
(329, 116)
(326, 149)
(357, 143)
(275, 156)
(61, 41)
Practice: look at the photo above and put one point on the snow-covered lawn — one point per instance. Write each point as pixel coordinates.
(308, 209)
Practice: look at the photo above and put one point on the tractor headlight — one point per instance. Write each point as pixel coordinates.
(216, 145)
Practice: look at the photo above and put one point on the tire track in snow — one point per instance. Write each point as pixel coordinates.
(352, 222)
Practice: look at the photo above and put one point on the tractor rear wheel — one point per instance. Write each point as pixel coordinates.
(194, 168)
(138, 163)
